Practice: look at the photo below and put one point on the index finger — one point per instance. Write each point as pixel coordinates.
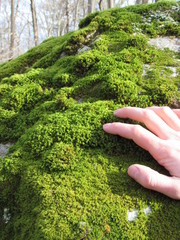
(138, 134)
(152, 121)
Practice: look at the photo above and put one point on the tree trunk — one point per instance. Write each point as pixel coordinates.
(17, 7)
(84, 8)
(59, 27)
(90, 6)
(110, 3)
(34, 19)
(1, 46)
(76, 14)
(138, 1)
(12, 39)
(67, 16)
(100, 5)
(29, 36)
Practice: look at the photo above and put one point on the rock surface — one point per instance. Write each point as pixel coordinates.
(65, 178)
(4, 149)
(166, 42)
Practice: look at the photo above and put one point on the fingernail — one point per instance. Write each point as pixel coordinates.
(107, 126)
(133, 172)
(116, 112)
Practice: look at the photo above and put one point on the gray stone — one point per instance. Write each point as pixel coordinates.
(84, 49)
(80, 100)
(173, 69)
(147, 210)
(6, 215)
(132, 215)
(146, 67)
(166, 42)
(4, 149)
(62, 55)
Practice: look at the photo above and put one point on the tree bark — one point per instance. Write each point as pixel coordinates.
(138, 1)
(90, 6)
(34, 19)
(59, 27)
(110, 3)
(1, 46)
(76, 14)
(84, 8)
(12, 31)
(67, 16)
(100, 5)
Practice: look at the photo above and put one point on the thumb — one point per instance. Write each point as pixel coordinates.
(153, 180)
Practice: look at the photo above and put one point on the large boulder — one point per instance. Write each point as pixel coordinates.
(64, 178)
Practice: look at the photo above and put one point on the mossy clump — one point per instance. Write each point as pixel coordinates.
(64, 177)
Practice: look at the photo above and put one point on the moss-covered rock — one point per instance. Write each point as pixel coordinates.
(64, 178)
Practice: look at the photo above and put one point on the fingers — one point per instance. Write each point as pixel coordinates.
(138, 134)
(153, 180)
(149, 118)
(169, 116)
(165, 123)
(177, 112)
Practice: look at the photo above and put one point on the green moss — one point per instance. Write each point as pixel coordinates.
(64, 178)
(86, 21)
(47, 48)
(79, 38)
(87, 60)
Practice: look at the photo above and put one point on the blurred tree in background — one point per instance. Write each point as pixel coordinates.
(24, 24)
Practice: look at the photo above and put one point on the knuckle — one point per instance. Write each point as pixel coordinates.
(163, 154)
(147, 114)
(165, 109)
(176, 190)
(168, 152)
(149, 182)
(136, 130)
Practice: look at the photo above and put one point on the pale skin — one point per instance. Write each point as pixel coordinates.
(161, 139)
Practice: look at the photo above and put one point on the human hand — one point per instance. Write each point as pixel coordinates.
(162, 142)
